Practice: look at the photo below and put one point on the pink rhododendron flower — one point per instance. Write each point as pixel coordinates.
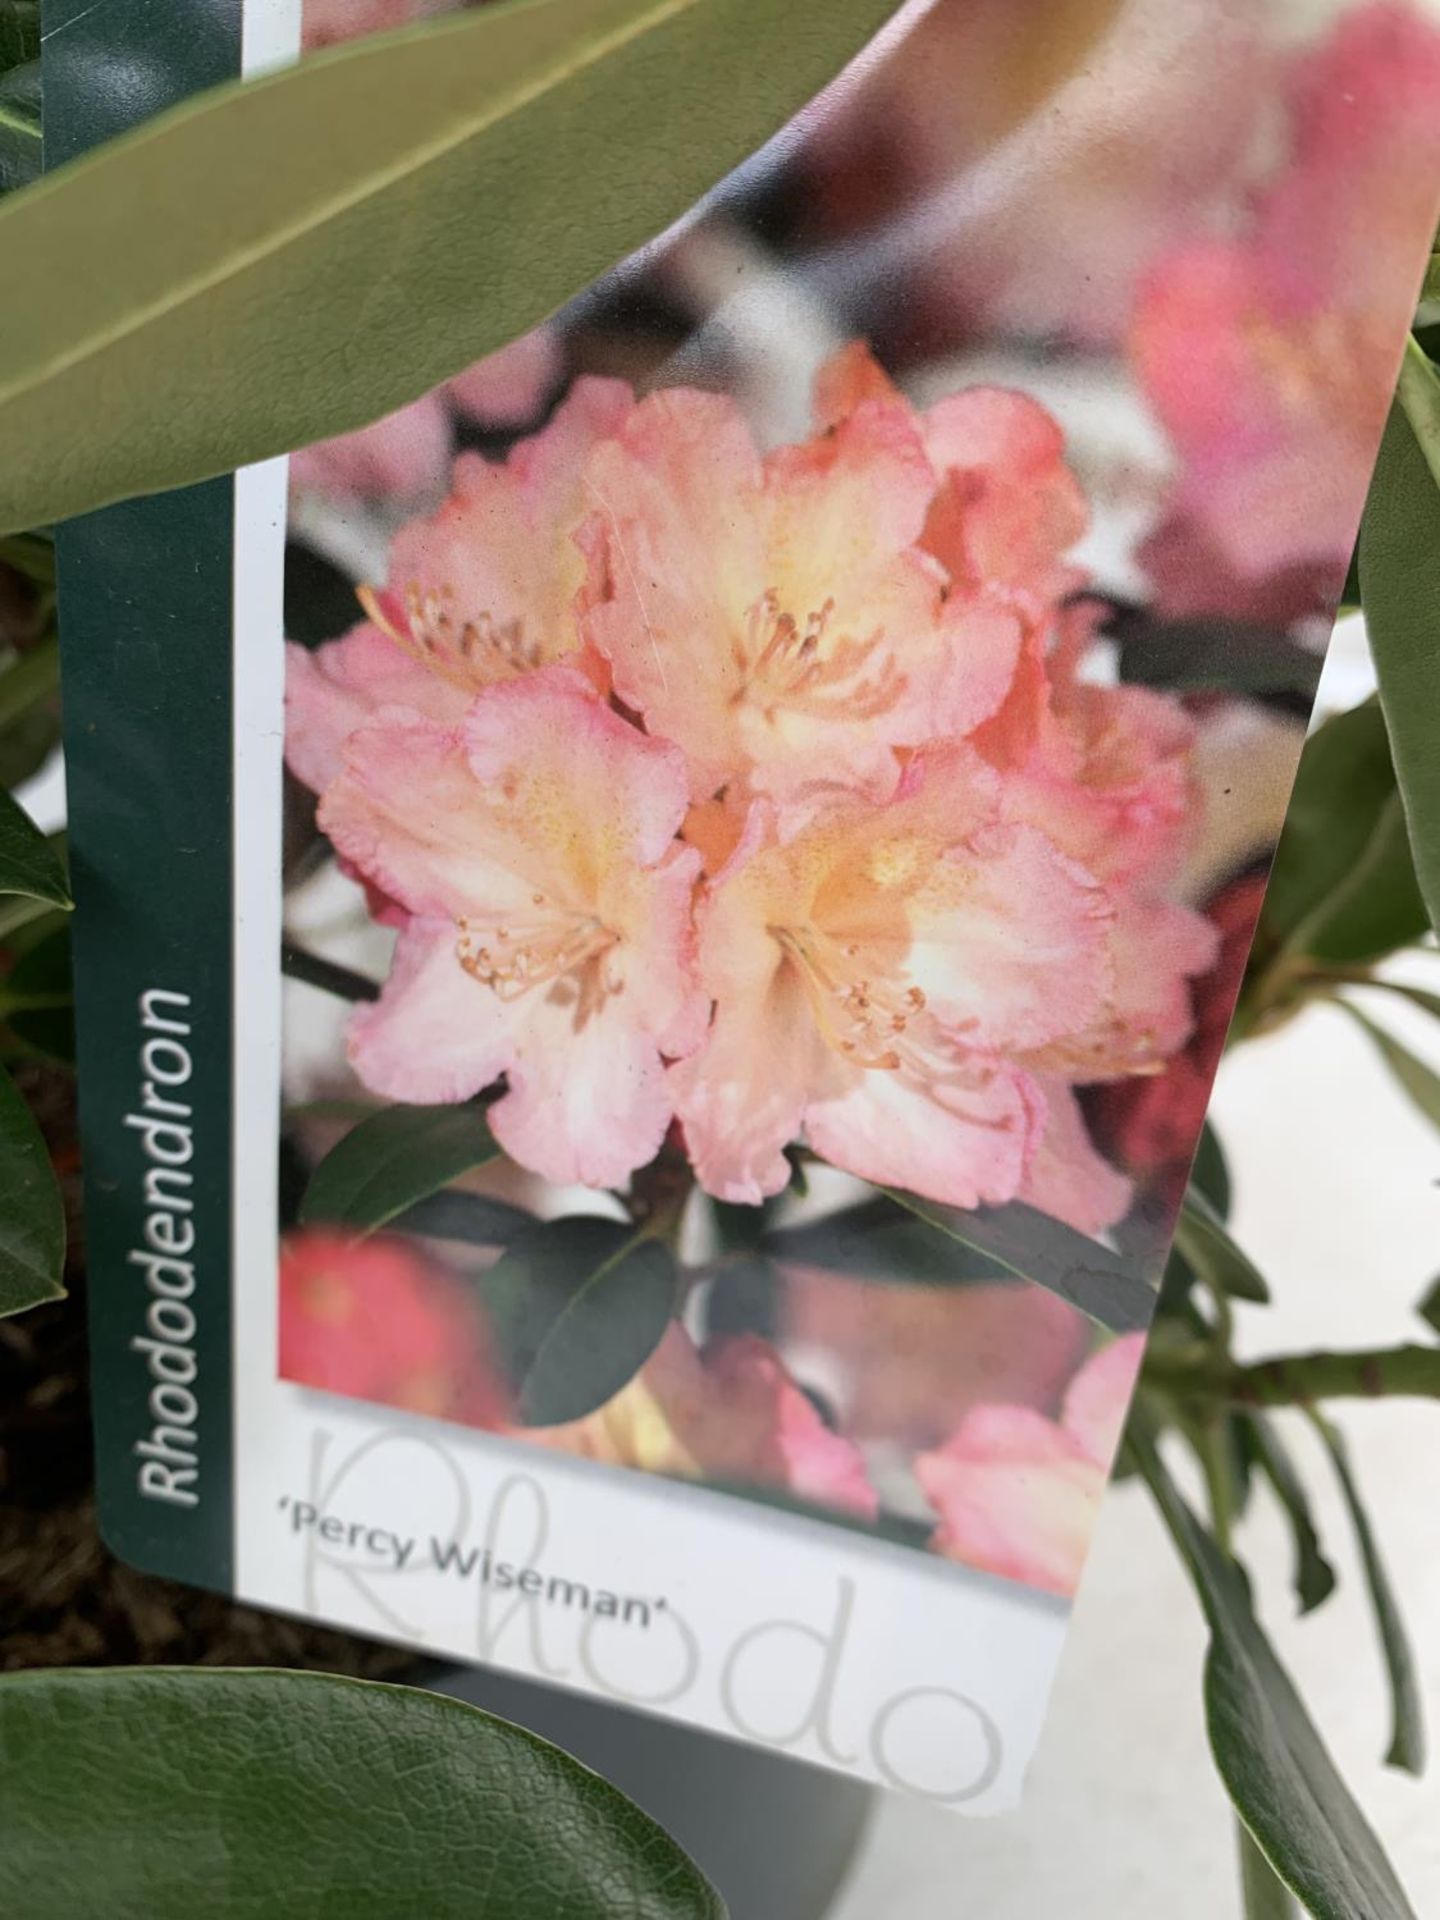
(479, 592)
(532, 847)
(1005, 508)
(377, 1320)
(889, 979)
(778, 618)
(727, 1412)
(507, 388)
(1270, 356)
(1018, 1494)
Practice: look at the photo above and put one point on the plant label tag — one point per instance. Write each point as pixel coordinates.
(655, 925)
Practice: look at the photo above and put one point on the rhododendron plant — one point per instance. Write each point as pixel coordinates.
(773, 829)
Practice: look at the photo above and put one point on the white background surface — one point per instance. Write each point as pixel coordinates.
(1338, 1199)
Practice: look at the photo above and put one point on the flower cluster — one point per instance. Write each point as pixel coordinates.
(765, 793)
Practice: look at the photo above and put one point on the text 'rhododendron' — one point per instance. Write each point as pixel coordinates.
(765, 791)
(1018, 1494)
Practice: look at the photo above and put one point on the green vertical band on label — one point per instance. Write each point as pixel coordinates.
(146, 646)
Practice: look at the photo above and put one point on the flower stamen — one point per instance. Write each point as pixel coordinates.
(472, 651)
(513, 960)
(786, 665)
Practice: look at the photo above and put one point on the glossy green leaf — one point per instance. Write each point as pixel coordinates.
(32, 1220)
(577, 1307)
(1428, 1307)
(1376, 909)
(1400, 588)
(37, 1001)
(1104, 1285)
(375, 219)
(1419, 1081)
(19, 32)
(884, 1242)
(1204, 1240)
(1343, 887)
(1314, 1577)
(28, 862)
(393, 1159)
(1407, 1732)
(20, 145)
(165, 1793)
(1276, 1769)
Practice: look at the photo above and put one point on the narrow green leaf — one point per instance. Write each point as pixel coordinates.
(1417, 996)
(1314, 1577)
(1400, 587)
(393, 1159)
(164, 1793)
(32, 1220)
(1211, 1171)
(1282, 1781)
(1343, 887)
(20, 143)
(1266, 1896)
(883, 1242)
(1407, 1733)
(1419, 1081)
(1376, 909)
(1104, 1285)
(496, 162)
(1204, 1239)
(29, 680)
(27, 742)
(28, 863)
(1429, 1307)
(577, 1306)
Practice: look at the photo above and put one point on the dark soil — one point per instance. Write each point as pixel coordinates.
(64, 1598)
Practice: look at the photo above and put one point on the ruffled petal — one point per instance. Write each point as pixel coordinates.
(964, 1141)
(435, 1034)
(333, 690)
